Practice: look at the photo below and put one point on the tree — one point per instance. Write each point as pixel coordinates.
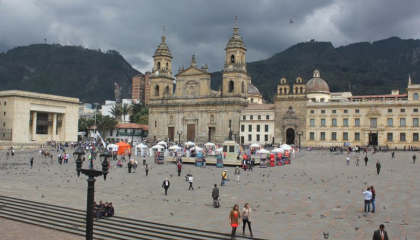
(141, 117)
(126, 110)
(144, 120)
(85, 123)
(116, 111)
(105, 124)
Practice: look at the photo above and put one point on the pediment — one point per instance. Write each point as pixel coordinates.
(192, 71)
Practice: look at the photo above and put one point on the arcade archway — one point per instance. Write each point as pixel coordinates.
(290, 136)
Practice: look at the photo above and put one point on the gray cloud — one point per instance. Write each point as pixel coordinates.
(134, 27)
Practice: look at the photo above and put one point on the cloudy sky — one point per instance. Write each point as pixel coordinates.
(202, 27)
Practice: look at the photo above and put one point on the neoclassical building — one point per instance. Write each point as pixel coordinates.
(190, 110)
(321, 118)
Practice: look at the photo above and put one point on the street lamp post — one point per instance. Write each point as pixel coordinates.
(299, 134)
(91, 173)
(179, 137)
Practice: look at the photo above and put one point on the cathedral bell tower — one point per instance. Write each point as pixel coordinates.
(235, 77)
(161, 80)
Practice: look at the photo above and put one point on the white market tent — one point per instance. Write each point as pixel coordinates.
(157, 147)
(112, 147)
(142, 148)
(162, 143)
(174, 147)
(189, 144)
(219, 150)
(278, 150)
(263, 151)
(198, 149)
(255, 145)
(209, 144)
(286, 147)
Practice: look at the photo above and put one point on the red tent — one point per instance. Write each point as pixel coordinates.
(123, 148)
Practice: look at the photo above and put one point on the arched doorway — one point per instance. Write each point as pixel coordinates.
(290, 136)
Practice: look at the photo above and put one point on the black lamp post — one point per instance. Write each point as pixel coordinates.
(132, 136)
(299, 134)
(91, 173)
(179, 137)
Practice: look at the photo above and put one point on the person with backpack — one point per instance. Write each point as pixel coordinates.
(179, 167)
(224, 178)
(414, 158)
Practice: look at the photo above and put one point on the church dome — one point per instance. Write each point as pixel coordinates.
(163, 49)
(253, 90)
(236, 40)
(317, 84)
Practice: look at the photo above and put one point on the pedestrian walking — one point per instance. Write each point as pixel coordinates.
(179, 166)
(215, 196)
(190, 180)
(32, 161)
(380, 234)
(378, 167)
(129, 165)
(224, 178)
(144, 159)
(366, 160)
(348, 160)
(237, 174)
(147, 169)
(393, 155)
(246, 218)
(357, 161)
(372, 190)
(234, 217)
(414, 158)
(368, 198)
(135, 164)
(166, 185)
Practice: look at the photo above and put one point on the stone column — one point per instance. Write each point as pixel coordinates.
(33, 126)
(54, 126)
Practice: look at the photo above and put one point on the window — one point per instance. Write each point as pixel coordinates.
(167, 90)
(312, 135)
(402, 122)
(266, 137)
(249, 137)
(41, 123)
(259, 117)
(157, 90)
(242, 128)
(267, 117)
(266, 128)
(231, 86)
(4, 103)
(334, 122)
(251, 117)
(402, 137)
(390, 110)
(334, 111)
(402, 110)
(322, 111)
(345, 122)
(373, 122)
(415, 122)
(357, 122)
(333, 136)
(390, 122)
(322, 122)
(230, 123)
(4, 113)
(415, 137)
(415, 110)
(415, 96)
(244, 117)
(158, 65)
(357, 136)
(155, 123)
(322, 135)
(232, 58)
(252, 100)
(345, 136)
(258, 129)
(357, 111)
(390, 137)
(243, 88)
(110, 133)
(249, 128)
(312, 111)
(312, 122)
(258, 137)
(345, 111)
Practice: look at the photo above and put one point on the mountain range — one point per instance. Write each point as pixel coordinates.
(74, 71)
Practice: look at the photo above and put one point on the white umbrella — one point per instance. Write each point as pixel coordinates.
(278, 150)
(198, 149)
(189, 144)
(263, 151)
(286, 147)
(162, 143)
(141, 145)
(219, 150)
(209, 144)
(255, 145)
(113, 147)
(174, 147)
(157, 147)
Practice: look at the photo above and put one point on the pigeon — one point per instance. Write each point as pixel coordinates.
(322, 216)
(326, 235)
(170, 175)
(384, 208)
(42, 195)
(358, 216)
(357, 227)
(171, 213)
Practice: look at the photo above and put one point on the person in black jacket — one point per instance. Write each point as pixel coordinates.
(166, 185)
(215, 195)
(378, 167)
(380, 234)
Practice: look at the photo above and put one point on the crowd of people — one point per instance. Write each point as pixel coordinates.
(102, 210)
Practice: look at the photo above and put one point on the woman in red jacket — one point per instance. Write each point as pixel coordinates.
(234, 217)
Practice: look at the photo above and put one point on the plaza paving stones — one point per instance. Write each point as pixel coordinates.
(317, 193)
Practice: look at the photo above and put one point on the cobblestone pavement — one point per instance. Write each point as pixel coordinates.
(316, 193)
(13, 230)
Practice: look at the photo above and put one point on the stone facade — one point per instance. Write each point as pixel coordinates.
(37, 117)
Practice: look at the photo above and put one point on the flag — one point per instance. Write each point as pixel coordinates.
(99, 135)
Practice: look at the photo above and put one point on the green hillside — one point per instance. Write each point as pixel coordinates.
(362, 68)
(71, 71)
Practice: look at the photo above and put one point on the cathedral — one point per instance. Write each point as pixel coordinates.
(190, 110)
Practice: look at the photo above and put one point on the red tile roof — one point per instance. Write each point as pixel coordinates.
(132, 125)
